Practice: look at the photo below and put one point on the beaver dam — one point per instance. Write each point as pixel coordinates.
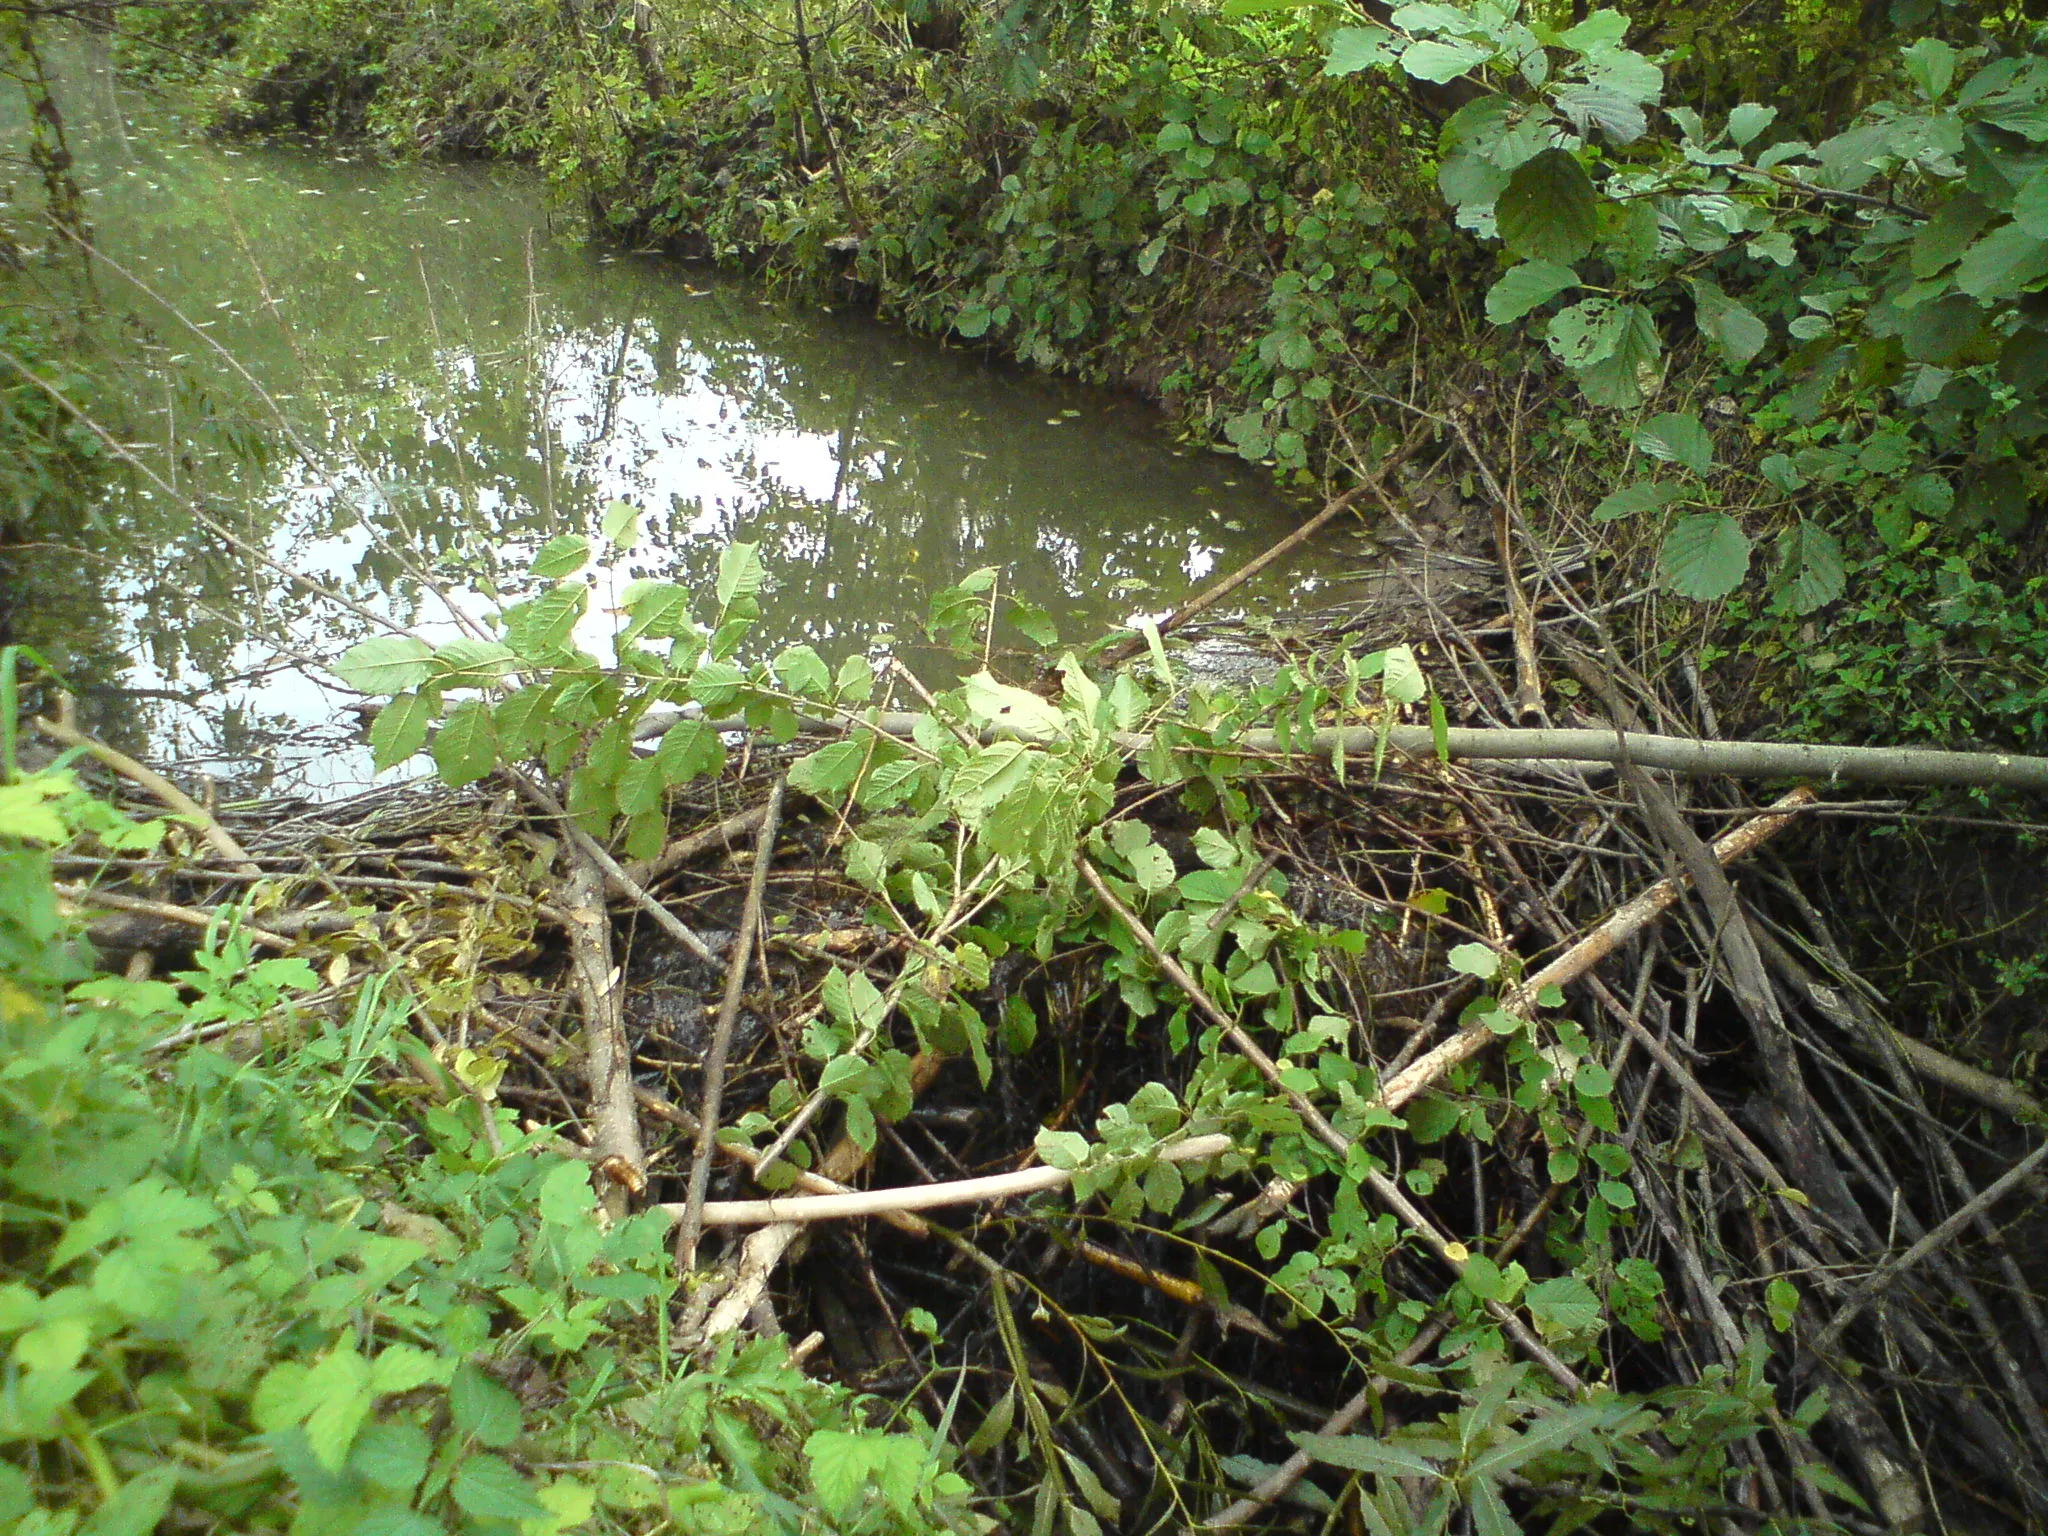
(1425, 1078)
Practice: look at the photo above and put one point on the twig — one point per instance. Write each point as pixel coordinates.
(588, 847)
(692, 1224)
(1878, 1283)
(917, 1197)
(645, 872)
(1588, 952)
(159, 786)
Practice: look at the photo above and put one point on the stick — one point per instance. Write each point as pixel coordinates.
(917, 1197)
(678, 853)
(1623, 924)
(608, 1060)
(183, 804)
(1878, 1283)
(1672, 754)
(692, 1225)
(188, 917)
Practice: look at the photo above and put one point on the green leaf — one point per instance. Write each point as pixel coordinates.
(1943, 238)
(1475, 959)
(828, 773)
(134, 1510)
(1643, 496)
(740, 573)
(1619, 380)
(471, 663)
(1588, 332)
(522, 719)
(400, 729)
(480, 1407)
(1482, 1277)
(1705, 556)
(1061, 1149)
(1490, 1515)
(1151, 865)
(388, 664)
(973, 321)
(2030, 205)
(393, 1456)
(1602, 29)
(1932, 65)
(488, 1488)
(1525, 287)
(690, 749)
(803, 672)
(1401, 679)
(1563, 1305)
(1729, 325)
(1352, 49)
(621, 524)
(340, 1393)
(1362, 1453)
(1810, 571)
(2002, 265)
(466, 749)
(1549, 211)
(1782, 1298)
(1678, 438)
(993, 703)
(1440, 62)
(561, 556)
(1748, 120)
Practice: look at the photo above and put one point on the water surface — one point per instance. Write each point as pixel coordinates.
(428, 381)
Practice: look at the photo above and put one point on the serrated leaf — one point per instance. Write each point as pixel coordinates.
(1352, 49)
(562, 556)
(1811, 573)
(387, 664)
(466, 748)
(338, 1388)
(400, 729)
(1362, 1453)
(828, 773)
(1441, 62)
(1549, 211)
(740, 573)
(803, 672)
(489, 1488)
(1620, 379)
(690, 749)
(1705, 556)
(1587, 333)
(1729, 325)
(393, 1456)
(469, 662)
(478, 1406)
(1678, 437)
(1618, 116)
(1643, 496)
(989, 776)
(621, 524)
(1525, 287)
(1563, 1305)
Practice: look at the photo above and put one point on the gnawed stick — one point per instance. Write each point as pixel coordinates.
(163, 789)
(765, 1246)
(917, 1197)
(608, 1060)
(691, 1225)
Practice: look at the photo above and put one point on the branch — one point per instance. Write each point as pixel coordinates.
(159, 786)
(918, 1197)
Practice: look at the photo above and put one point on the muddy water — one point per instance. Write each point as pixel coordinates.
(428, 381)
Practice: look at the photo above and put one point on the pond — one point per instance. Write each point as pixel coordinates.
(400, 378)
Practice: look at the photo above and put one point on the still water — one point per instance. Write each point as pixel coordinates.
(428, 380)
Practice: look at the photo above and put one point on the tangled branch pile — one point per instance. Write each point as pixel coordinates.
(1206, 1130)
